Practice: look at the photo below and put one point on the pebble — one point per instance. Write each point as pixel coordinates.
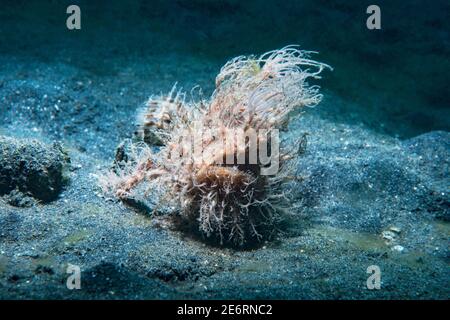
(398, 248)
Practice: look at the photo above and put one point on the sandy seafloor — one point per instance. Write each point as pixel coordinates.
(375, 176)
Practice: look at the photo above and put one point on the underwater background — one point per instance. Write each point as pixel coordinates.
(376, 174)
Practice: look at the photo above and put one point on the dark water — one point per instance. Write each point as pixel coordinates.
(393, 80)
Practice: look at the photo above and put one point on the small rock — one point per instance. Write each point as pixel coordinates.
(31, 167)
(395, 229)
(398, 248)
(388, 235)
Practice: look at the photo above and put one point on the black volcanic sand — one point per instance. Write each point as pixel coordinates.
(374, 178)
